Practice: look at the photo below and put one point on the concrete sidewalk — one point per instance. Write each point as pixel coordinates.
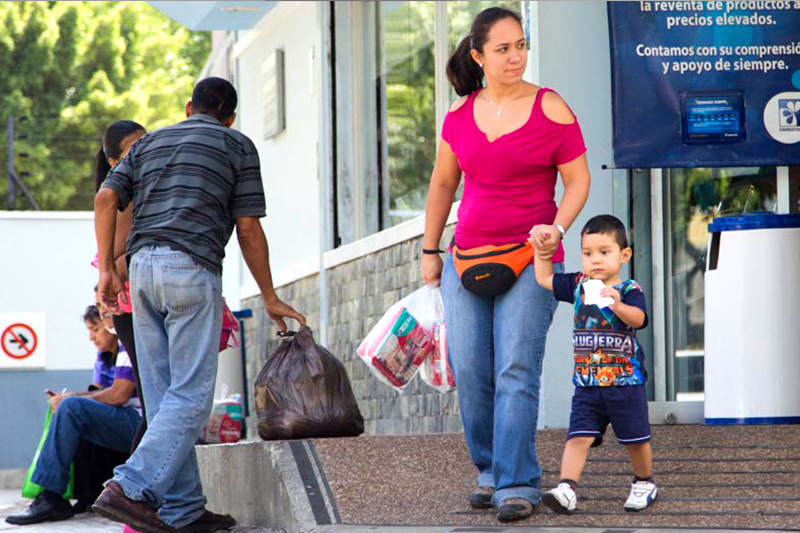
(11, 501)
(712, 479)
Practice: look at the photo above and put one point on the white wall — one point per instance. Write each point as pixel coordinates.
(46, 268)
(289, 160)
(574, 61)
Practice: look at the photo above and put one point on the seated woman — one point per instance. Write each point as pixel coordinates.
(108, 417)
(95, 464)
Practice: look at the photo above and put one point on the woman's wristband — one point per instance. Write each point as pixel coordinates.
(429, 251)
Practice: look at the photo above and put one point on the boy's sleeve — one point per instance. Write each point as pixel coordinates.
(564, 286)
(632, 294)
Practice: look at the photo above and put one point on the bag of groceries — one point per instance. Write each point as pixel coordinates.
(435, 370)
(401, 341)
(225, 421)
(303, 392)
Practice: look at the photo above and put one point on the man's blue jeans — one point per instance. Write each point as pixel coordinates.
(177, 318)
(496, 346)
(81, 418)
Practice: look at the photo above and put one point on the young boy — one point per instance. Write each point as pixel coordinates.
(609, 377)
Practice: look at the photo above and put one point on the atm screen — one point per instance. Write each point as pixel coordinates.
(712, 117)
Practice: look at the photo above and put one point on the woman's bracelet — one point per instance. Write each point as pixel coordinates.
(432, 252)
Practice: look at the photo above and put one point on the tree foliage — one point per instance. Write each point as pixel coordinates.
(71, 68)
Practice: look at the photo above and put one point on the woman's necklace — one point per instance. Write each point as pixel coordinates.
(499, 109)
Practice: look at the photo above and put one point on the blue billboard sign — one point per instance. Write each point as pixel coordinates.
(705, 83)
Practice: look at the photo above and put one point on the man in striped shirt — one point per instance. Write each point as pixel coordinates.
(190, 184)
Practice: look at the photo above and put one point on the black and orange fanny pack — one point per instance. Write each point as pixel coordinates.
(491, 270)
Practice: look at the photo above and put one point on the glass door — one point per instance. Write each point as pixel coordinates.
(693, 197)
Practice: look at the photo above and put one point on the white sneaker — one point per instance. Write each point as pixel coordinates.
(561, 499)
(643, 494)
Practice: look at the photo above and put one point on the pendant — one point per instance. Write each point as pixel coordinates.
(499, 112)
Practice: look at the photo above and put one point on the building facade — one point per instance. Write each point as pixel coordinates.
(362, 96)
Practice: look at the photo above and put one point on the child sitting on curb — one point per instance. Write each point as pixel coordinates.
(609, 376)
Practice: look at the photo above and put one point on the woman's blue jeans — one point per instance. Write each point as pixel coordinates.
(496, 346)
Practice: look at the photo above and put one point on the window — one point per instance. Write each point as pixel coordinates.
(391, 93)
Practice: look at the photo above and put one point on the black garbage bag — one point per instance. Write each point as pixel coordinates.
(303, 391)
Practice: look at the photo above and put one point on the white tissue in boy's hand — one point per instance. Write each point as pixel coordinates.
(591, 294)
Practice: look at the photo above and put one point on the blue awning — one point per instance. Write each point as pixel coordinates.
(222, 15)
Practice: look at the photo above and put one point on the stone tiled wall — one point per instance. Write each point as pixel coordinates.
(359, 292)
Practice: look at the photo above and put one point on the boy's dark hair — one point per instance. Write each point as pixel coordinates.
(215, 97)
(92, 314)
(607, 225)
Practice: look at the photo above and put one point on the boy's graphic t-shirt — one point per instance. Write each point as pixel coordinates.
(605, 349)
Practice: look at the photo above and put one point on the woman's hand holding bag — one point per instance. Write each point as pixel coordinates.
(430, 269)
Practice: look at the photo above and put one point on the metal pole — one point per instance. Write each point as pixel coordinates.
(10, 161)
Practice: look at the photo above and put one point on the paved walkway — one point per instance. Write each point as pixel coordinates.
(732, 477)
(712, 479)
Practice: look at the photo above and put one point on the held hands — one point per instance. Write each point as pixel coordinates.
(277, 311)
(430, 269)
(545, 239)
(109, 287)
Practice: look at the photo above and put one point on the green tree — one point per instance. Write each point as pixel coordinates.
(71, 68)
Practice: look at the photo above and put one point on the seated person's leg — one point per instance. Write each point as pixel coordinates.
(106, 425)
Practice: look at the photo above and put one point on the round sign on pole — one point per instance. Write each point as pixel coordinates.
(23, 340)
(19, 341)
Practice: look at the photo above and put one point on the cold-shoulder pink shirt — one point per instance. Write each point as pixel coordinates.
(509, 183)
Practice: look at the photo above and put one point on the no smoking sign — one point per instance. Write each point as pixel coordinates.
(22, 340)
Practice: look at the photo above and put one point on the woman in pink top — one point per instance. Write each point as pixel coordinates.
(510, 139)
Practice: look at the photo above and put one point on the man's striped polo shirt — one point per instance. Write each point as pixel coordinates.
(189, 183)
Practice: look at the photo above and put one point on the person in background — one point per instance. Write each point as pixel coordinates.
(118, 138)
(107, 417)
(510, 139)
(190, 185)
(93, 464)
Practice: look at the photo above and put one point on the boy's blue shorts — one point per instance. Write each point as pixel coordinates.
(625, 408)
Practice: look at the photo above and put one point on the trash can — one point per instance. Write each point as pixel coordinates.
(752, 320)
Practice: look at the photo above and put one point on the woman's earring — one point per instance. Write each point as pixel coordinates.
(480, 65)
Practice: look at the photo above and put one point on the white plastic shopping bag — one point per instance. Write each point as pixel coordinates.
(435, 370)
(399, 343)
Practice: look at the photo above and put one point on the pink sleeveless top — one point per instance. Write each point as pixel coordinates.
(509, 184)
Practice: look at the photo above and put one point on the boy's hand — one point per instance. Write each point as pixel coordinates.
(611, 292)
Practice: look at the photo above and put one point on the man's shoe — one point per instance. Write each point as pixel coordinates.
(512, 509)
(114, 505)
(561, 499)
(209, 522)
(482, 498)
(642, 495)
(42, 510)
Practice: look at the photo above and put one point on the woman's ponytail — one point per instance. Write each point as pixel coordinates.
(101, 168)
(463, 72)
